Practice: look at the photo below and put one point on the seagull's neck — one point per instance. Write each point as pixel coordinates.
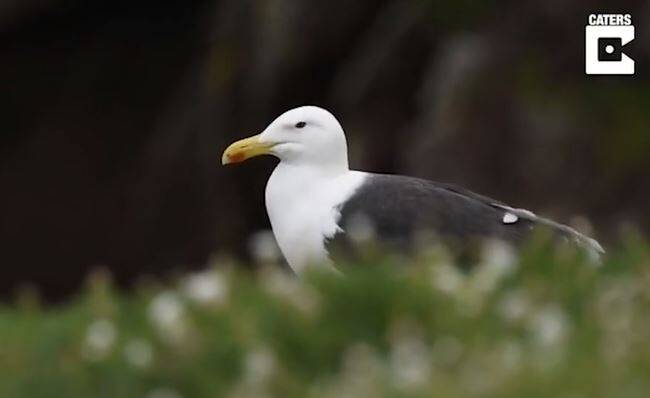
(312, 172)
(291, 182)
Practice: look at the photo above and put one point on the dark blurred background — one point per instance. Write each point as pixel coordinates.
(115, 115)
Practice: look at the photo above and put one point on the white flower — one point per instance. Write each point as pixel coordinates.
(290, 289)
(167, 313)
(447, 278)
(166, 308)
(361, 360)
(511, 355)
(259, 366)
(514, 306)
(138, 353)
(100, 338)
(495, 251)
(360, 376)
(264, 247)
(549, 326)
(206, 287)
(498, 261)
(410, 363)
(361, 229)
(620, 316)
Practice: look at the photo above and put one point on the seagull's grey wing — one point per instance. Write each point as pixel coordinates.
(395, 209)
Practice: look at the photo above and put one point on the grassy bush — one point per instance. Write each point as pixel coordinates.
(549, 324)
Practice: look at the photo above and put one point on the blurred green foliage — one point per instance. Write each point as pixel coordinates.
(548, 324)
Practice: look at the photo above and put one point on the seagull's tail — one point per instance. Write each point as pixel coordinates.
(591, 245)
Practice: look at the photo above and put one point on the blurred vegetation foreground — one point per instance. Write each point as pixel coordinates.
(547, 324)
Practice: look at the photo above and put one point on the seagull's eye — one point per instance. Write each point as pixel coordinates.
(300, 125)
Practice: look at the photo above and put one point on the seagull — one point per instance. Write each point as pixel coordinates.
(313, 198)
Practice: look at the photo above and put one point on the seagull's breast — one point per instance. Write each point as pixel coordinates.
(302, 206)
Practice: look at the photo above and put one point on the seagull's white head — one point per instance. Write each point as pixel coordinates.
(304, 136)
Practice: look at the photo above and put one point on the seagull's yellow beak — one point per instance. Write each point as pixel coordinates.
(245, 149)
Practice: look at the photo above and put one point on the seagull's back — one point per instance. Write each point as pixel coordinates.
(399, 208)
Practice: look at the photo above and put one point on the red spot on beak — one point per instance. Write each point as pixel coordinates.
(236, 157)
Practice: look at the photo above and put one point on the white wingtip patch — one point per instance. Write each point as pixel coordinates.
(509, 218)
